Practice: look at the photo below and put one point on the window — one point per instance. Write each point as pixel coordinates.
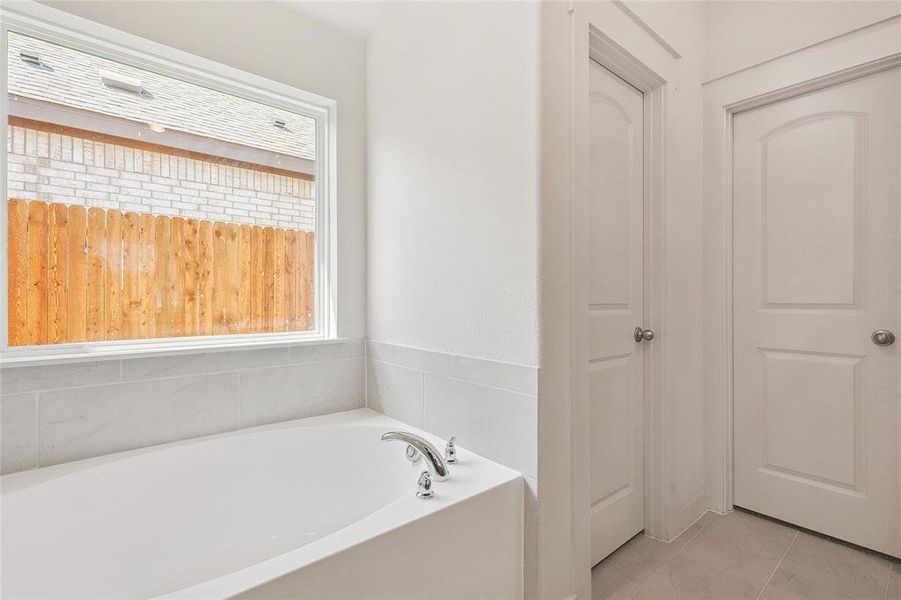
(153, 205)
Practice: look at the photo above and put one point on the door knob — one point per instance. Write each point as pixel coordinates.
(883, 337)
(645, 335)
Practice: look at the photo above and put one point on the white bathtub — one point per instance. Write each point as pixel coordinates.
(316, 508)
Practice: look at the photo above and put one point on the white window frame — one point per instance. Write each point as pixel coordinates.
(30, 18)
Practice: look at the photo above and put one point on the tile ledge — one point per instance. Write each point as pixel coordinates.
(15, 359)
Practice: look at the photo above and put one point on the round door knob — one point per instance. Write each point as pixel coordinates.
(883, 337)
(645, 335)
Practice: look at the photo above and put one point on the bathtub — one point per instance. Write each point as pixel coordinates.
(315, 508)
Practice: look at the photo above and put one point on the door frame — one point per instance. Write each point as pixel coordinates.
(867, 51)
(613, 57)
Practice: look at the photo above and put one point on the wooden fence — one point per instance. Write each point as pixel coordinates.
(78, 274)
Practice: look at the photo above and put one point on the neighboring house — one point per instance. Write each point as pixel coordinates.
(167, 147)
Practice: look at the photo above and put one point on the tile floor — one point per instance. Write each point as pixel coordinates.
(741, 555)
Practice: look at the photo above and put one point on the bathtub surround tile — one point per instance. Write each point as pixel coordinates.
(509, 376)
(498, 424)
(490, 406)
(275, 394)
(14, 380)
(18, 432)
(815, 567)
(103, 406)
(155, 367)
(341, 350)
(395, 391)
(85, 422)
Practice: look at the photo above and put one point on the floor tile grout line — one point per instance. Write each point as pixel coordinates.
(778, 564)
(888, 582)
(670, 559)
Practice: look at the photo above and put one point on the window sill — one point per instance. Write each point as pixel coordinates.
(46, 356)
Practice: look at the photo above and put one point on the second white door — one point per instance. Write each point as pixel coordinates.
(817, 184)
(615, 309)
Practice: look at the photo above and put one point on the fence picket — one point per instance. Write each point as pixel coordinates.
(192, 277)
(146, 278)
(290, 281)
(176, 277)
(245, 324)
(131, 266)
(17, 272)
(95, 292)
(162, 309)
(278, 281)
(205, 288)
(37, 242)
(257, 278)
(58, 271)
(77, 279)
(231, 278)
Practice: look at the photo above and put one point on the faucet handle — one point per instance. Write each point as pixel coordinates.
(425, 487)
(450, 452)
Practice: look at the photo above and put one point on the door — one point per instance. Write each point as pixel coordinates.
(615, 309)
(816, 272)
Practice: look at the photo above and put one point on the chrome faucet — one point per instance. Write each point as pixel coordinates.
(437, 466)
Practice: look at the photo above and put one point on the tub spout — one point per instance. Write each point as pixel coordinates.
(433, 459)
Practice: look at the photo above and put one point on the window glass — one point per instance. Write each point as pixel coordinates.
(141, 206)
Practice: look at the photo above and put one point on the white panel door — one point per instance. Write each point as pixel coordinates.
(817, 184)
(615, 309)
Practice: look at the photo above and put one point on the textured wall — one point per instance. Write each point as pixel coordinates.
(452, 138)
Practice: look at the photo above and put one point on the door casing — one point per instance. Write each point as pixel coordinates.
(834, 65)
(611, 56)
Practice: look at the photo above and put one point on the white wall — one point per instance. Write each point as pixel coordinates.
(452, 101)
(741, 34)
(682, 25)
(639, 28)
(271, 40)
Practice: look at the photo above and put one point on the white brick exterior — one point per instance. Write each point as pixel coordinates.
(73, 170)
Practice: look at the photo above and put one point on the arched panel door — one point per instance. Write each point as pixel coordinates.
(615, 309)
(817, 188)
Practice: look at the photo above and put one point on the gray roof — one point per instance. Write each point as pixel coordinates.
(75, 81)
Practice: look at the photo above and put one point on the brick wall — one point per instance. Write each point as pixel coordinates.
(73, 170)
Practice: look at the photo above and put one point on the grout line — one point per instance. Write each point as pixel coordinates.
(778, 564)
(238, 403)
(365, 376)
(671, 558)
(37, 430)
(888, 582)
(422, 398)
